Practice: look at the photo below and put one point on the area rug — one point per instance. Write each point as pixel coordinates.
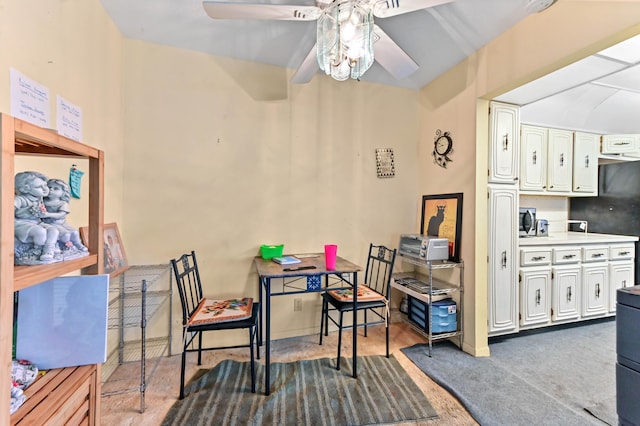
(308, 392)
(560, 376)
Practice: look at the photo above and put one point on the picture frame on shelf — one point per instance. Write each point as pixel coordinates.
(442, 217)
(115, 258)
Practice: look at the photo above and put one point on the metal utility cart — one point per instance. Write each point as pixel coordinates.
(423, 289)
(140, 293)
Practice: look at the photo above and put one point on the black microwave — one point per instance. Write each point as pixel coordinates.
(527, 222)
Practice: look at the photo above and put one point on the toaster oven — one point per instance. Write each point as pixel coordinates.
(423, 247)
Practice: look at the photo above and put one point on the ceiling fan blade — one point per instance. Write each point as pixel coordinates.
(225, 10)
(385, 9)
(391, 57)
(307, 69)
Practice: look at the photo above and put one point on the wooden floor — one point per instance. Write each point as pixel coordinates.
(162, 389)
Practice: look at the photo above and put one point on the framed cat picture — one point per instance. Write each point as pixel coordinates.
(442, 217)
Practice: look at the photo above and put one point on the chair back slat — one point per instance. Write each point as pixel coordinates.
(380, 268)
(187, 276)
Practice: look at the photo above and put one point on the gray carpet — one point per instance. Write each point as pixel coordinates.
(309, 392)
(559, 376)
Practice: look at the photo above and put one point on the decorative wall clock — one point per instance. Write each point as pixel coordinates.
(442, 148)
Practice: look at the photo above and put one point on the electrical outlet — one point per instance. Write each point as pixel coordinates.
(297, 305)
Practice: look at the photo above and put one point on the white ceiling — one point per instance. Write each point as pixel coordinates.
(436, 38)
(600, 93)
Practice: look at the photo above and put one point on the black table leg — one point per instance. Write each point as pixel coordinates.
(267, 366)
(355, 323)
(260, 311)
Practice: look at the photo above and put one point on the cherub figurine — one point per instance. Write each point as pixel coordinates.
(57, 207)
(31, 188)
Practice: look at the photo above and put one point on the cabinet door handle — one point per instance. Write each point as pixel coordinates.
(597, 290)
(624, 283)
(568, 256)
(568, 294)
(586, 161)
(534, 158)
(623, 253)
(562, 160)
(537, 296)
(597, 255)
(505, 142)
(621, 143)
(504, 259)
(538, 258)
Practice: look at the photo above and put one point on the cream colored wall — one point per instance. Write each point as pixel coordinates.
(221, 164)
(568, 31)
(73, 49)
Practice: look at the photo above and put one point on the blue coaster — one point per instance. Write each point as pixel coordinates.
(314, 282)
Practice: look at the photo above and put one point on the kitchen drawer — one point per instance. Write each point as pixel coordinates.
(620, 144)
(562, 255)
(534, 257)
(622, 251)
(595, 253)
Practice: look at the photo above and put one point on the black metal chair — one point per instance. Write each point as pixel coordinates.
(196, 313)
(373, 298)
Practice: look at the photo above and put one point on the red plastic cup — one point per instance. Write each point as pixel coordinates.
(330, 252)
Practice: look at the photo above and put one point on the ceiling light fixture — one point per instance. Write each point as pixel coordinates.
(536, 6)
(345, 40)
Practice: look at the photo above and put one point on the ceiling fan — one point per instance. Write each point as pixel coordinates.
(387, 53)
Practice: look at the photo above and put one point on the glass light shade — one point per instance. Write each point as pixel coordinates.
(345, 40)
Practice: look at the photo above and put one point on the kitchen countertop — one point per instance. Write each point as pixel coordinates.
(575, 238)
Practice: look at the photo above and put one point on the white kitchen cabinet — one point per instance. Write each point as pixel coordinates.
(585, 162)
(586, 271)
(621, 270)
(621, 274)
(546, 160)
(620, 144)
(565, 292)
(595, 279)
(533, 158)
(559, 160)
(503, 263)
(535, 286)
(504, 142)
(535, 296)
(595, 253)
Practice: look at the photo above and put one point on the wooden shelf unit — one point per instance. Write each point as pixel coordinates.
(68, 395)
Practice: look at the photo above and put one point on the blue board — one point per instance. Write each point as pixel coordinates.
(63, 322)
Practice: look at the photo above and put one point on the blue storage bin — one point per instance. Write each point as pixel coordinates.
(443, 317)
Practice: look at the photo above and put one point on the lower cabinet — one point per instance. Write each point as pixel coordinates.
(563, 283)
(565, 297)
(595, 279)
(535, 296)
(621, 275)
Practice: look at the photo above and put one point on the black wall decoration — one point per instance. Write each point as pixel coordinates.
(442, 148)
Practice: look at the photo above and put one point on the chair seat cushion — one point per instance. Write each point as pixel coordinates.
(221, 310)
(365, 294)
